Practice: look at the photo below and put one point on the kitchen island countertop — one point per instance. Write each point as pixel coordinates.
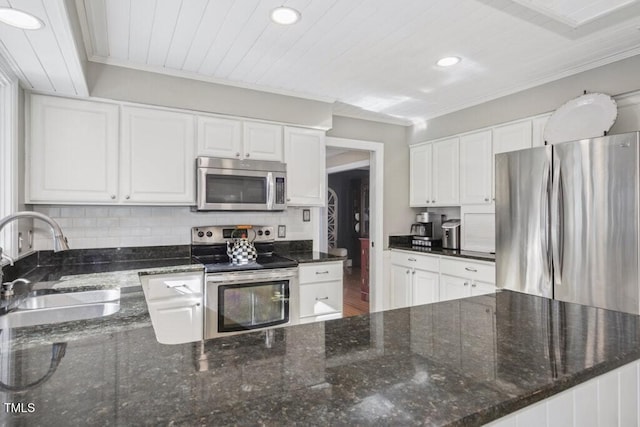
(460, 362)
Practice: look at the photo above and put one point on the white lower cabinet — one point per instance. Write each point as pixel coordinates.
(175, 303)
(423, 279)
(414, 279)
(320, 291)
(464, 278)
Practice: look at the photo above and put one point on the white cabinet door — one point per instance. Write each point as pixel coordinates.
(400, 292)
(445, 177)
(420, 159)
(72, 149)
(478, 228)
(306, 168)
(482, 288)
(475, 168)
(177, 321)
(262, 141)
(537, 132)
(512, 137)
(424, 287)
(157, 157)
(219, 137)
(452, 287)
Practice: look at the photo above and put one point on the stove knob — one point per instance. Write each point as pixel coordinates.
(267, 232)
(259, 232)
(209, 234)
(200, 233)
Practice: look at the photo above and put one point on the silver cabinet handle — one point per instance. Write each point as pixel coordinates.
(427, 201)
(413, 272)
(433, 201)
(246, 155)
(180, 287)
(113, 197)
(473, 285)
(237, 154)
(486, 199)
(322, 272)
(322, 299)
(471, 269)
(407, 271)
(466, 283)
(411, 259)
(127, 197)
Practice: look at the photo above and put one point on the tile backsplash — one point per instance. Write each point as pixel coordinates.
(123, 226)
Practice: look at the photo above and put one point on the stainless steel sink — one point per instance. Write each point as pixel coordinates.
(62, 307)
(69, 298)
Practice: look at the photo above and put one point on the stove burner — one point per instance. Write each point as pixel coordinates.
(215, 262)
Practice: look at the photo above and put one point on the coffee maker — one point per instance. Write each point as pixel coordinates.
(427, 230)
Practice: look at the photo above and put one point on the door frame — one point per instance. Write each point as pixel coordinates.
(9, 180)
(376, 193)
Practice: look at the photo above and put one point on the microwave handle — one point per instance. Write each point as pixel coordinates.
(270, 191)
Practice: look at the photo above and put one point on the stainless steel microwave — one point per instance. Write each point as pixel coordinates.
(240, 185)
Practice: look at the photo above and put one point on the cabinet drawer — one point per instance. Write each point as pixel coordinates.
(412, 259)
(172, 285)
(469, 269)
(320, 272)
(318, 299)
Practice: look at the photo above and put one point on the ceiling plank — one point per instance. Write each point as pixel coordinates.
(140, 26)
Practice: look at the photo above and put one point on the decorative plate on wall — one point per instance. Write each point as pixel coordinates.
(587, 116)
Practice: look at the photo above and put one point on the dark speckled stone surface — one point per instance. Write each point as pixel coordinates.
(312, 256)
(461, 362)
(480, 256)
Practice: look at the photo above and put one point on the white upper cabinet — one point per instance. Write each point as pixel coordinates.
(475, 168)
(512, 137)
(306, 168)
(420, 157)
(157, 156)
(237, 139)
(72, 149)
(77, 154)
(433, 174)
(262, 141)
(446, 175)
(537, 132)
(219, 137)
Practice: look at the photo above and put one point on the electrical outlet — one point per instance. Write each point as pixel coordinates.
(282, 231)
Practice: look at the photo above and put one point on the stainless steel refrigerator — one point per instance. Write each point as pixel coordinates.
(567, 221)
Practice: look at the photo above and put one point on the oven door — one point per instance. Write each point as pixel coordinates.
(245, 301)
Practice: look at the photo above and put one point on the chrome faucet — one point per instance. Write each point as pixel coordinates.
(59, 241)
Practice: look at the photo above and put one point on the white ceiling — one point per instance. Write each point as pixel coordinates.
(373, 58)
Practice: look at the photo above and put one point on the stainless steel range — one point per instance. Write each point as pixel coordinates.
(249, 294)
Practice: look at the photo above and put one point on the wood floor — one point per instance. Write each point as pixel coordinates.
(352, 304)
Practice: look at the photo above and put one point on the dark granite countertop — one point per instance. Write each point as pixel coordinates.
(303, 257)
(480, 256)
(460, 362)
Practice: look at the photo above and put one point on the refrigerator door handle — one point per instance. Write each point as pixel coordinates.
(544, 215)
(556, 225)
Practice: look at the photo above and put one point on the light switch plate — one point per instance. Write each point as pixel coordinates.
(282, 231)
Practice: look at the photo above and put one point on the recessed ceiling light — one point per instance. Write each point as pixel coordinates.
(19, 19)
(285, 15)
(448, 61)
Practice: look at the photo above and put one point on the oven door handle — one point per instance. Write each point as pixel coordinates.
(270, 191)
(224, 278)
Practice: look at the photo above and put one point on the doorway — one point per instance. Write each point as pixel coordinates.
(348, 229)
(359, 164)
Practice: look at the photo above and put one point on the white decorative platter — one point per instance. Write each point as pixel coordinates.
(587, 116)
